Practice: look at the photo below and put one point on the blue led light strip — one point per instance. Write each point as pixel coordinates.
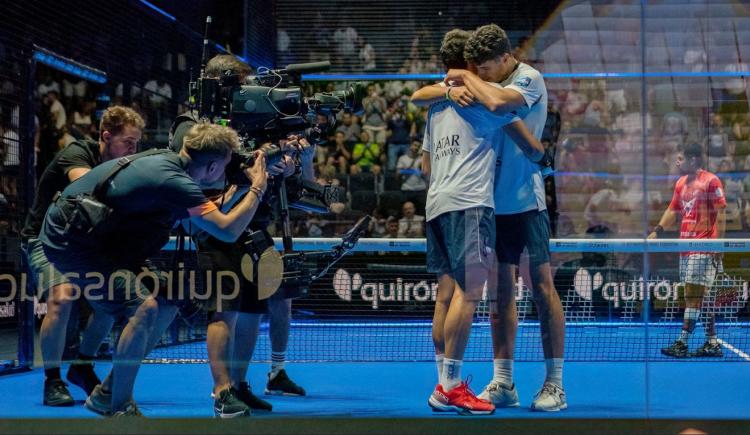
(158, 10)
(170, 17)
(583, 75)
(69, 66)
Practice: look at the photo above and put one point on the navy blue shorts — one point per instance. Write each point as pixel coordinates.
(458, 239)
(530, 230)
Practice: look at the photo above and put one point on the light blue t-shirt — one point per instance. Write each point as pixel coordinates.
(519, 186)
(462, 146)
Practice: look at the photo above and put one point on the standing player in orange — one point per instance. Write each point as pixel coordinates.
(699, 199)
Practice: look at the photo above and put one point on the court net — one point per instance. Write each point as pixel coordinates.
(623, 300)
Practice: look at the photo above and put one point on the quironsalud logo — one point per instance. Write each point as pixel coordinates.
(343, 284)
(584, 284)
(385, 288)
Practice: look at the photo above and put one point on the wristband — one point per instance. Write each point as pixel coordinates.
(448, 93)
(259, 193)
(658, 229)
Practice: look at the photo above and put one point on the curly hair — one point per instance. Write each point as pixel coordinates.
(205, 141)
(220, 63)
(116, 118)
(452, 48)
(486, 43)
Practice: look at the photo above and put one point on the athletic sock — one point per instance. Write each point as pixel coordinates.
(712, 339)
(451, 376)
(502, 371)
(278, 359)
(690, 319)
(554, 371)
(439, 357)
(53, 373)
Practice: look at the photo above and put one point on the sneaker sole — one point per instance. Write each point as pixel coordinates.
(232, 415)
(556, 409)
(61, 404)
(268, 392)
(515, 404)
(91, 407)
(671, 355)
(439, 407)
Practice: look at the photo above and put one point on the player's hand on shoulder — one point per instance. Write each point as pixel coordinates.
(461, 95)
(455, 77)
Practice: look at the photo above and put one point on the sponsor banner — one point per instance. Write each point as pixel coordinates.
(389, 285)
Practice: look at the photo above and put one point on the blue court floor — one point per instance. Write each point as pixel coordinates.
(661, 390)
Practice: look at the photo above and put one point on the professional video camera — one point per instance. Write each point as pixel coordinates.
(270, 105)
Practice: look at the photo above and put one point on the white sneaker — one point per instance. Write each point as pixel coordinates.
(550, 398)
(500, 395)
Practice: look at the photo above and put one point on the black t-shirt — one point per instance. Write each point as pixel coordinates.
(148, 197)
(79, 154)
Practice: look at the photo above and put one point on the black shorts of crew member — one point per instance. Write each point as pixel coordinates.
(232, 291)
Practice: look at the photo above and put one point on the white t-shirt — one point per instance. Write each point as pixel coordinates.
(462, 146)
(519, 186)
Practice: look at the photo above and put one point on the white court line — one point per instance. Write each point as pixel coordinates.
(741, 354)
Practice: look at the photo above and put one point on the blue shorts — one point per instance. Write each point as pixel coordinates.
(530, 230)
(115, 291)
(458, 239)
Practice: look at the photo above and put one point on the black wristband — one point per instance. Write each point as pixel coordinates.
(658, 229)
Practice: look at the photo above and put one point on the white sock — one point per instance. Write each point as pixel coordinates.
(712, 339)
(554, 371)
(451, 375)
(502, 371)
(439, 363)
(278, 360)
(684, 336)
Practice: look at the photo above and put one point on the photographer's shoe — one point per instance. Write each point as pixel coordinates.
(281, 385)
(56, 393)
(130, 409)
(83, 376)
(245, 394)
(99, 401)
(227, 405)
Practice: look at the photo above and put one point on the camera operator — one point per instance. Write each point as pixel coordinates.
(233, 325)
(120, 131)
(143, 197)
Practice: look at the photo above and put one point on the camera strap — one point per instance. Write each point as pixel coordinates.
(101, 187)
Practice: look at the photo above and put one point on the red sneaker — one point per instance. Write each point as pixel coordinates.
(460, 399)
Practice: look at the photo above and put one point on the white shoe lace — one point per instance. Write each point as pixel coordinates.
(551, 390)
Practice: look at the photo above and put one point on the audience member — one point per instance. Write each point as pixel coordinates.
(411, 225)
(366, 155)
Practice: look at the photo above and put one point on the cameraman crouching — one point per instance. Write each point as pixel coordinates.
(146, 196)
